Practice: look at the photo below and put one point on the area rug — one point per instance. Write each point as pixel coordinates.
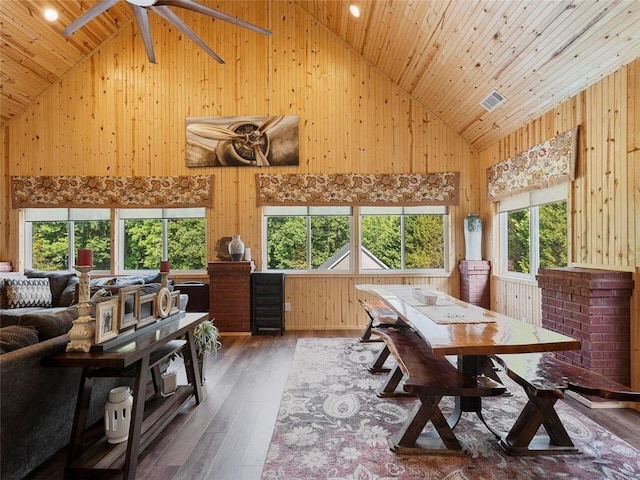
(332, 426)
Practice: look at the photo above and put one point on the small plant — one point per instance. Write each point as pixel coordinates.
(206, 336)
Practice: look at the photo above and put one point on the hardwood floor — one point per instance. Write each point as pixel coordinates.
(228, 435)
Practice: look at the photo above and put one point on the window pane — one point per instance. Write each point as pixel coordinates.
(142, 244)
(424, 241)
(381, 242)
(50, 245)
(186, 244)
(287, 243)
(95, 235)
(518, 241)
(553, 235)
(330, 248)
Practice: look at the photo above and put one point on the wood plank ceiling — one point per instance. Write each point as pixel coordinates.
(448, 54)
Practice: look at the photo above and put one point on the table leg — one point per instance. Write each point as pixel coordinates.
(193, 375)
(80, 417)
(135, 427)
(472, 366)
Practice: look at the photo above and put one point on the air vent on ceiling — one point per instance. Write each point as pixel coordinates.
(492, 101)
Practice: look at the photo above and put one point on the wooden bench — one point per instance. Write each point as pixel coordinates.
(544, 379)
(379, 314)
(429, 377)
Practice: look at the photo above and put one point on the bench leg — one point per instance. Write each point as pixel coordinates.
(409, 439)
(378, 364)
(390, 385)
(366, 334)
(521, 438)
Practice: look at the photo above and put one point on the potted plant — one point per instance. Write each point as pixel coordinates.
(207, 341)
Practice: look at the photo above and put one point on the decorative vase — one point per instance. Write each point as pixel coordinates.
(117, 414)
(236, 248)
(473, 237)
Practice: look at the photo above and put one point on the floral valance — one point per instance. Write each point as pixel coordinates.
(549, 163)
(358, 189)
(112, 192)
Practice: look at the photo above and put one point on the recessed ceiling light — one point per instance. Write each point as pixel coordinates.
(355, 11)
(51, 14)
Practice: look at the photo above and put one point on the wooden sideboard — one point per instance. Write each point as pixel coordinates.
(137, 359)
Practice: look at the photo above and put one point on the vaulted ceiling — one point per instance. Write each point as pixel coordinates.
(448, 54)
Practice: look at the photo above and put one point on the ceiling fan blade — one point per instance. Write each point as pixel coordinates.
(214, 133)
(171, 17)
(261, 160)
(197, 7)
(142, 19)
(89, 15)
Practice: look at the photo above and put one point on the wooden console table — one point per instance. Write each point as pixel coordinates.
(149, 416)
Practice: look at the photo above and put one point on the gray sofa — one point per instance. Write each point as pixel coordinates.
(37, 402)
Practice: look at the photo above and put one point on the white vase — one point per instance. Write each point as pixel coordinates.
(117, 414)
(236, 248)
(473, 237)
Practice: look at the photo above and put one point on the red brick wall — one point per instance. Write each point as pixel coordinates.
(593, 306)
(475, 282)
(230, 295)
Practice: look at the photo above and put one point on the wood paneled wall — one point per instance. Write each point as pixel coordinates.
(119, 115)
(604, 200)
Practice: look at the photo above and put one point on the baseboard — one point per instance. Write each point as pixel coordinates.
(597, 402)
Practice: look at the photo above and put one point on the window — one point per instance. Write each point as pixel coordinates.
(534, 232)
(307, 238)
(53, 235)
(150, 235)
(402, 238)
(322, 238)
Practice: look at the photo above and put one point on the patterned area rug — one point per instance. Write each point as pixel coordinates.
(332, 426)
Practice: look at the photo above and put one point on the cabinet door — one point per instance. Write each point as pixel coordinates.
(267, 302)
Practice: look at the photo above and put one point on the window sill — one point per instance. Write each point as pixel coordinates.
(517, 280)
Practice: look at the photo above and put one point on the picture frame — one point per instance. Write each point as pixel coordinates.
(107, 320)
(163, 303)
(147, 310)
(175, 302)
(129, 298)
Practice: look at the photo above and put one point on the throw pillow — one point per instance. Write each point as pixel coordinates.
(16, 336)
(50, 325)
(3, 295)
(127, 281)
(69, 293)
(32, 292)
(58, 280)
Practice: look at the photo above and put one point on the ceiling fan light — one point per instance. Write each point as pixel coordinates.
(355, 10)
(51, 14)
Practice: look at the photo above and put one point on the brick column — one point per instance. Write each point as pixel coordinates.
(475, 282)
(230, 295)
(593, 306)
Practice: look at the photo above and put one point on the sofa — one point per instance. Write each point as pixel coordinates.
(37, 402)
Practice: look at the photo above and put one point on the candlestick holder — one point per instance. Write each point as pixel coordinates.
(83, 332)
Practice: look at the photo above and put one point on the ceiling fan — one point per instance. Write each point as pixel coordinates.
(161, 7)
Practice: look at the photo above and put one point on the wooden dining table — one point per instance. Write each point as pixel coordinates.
(453, 327)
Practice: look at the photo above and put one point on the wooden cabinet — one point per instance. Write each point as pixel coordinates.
(267, 302)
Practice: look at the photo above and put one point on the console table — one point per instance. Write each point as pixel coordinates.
(149, 416)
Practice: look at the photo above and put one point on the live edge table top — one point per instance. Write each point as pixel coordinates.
(473, 331)
(149, 340)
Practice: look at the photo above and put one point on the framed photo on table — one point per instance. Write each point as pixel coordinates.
(129, 307)
(107, 320)
(147, 310)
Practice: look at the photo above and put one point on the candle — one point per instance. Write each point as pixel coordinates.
(164, 266)
(85, 257)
